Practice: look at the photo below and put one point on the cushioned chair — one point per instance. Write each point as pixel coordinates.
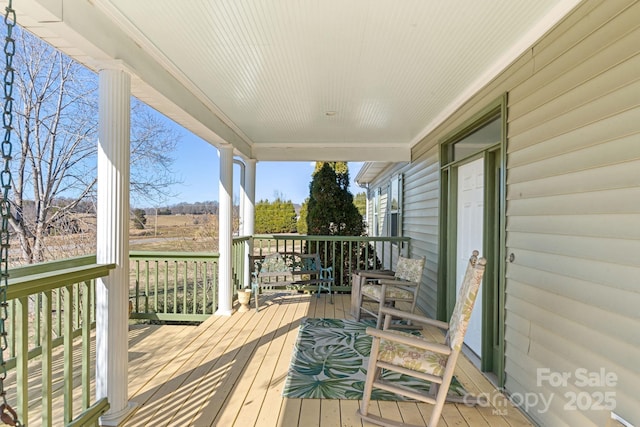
(416, 356)
(385, 290)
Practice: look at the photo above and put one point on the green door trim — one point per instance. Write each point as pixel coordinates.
(492, 358)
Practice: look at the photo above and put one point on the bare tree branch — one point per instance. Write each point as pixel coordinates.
(56, 127)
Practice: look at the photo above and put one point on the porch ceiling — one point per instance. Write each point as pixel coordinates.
(358, 80)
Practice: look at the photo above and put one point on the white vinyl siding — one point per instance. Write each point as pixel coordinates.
(573, 208)
(421, 207)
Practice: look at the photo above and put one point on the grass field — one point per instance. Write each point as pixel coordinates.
(179, 233)
(183, 233)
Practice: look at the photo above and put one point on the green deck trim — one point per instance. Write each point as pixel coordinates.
(171, 317)
(91, 415)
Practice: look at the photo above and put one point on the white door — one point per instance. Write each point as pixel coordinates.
(470, 230)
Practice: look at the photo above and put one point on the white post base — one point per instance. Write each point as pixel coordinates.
(118, 418)
(222, 312)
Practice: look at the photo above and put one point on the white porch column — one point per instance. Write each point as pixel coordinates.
(241, 220)
(225, 226)
(250, 193)
(249, 211)
(112, 292)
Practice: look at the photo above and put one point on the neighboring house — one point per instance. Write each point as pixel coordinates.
(540, 170)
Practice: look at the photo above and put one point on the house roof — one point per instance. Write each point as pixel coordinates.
(300, 80)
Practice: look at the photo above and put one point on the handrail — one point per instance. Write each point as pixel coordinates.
(331, 238)
(30, 285)
(49, 266)
(172, 255)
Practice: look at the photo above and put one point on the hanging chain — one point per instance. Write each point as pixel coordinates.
(7, 414)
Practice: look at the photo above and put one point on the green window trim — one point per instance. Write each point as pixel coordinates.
(494, 225)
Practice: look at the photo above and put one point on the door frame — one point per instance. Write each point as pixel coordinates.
(494, 236)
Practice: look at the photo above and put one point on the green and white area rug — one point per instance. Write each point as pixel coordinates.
(330, 361)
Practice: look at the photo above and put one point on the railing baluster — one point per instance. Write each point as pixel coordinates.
(86, 344)
(12, 329)
(58, 313)
(47, 360)
(37, 321)
(93, 302)
(385, 264)
(341, 248)
(146, 286)
(195, 287)
(184, 289)
(166, 284)
(22, 358)
(76, 307)
(68, 353)
(155, 289)
(350, 254)
(205, 282)
(214, 288)
(137, 291)
(175, 287)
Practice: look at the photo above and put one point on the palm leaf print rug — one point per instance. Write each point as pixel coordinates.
(330, 361)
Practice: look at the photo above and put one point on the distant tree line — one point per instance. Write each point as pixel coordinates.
(184, 208)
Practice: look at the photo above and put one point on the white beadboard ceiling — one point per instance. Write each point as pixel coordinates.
(356, 80)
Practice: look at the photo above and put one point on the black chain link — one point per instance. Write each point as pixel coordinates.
(7, 415)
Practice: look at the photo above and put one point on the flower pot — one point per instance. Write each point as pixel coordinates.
(244, 296)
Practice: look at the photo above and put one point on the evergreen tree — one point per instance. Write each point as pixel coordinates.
(302, 220)
(275, 217)
(361, 203)
(261, 217)
(331, 211)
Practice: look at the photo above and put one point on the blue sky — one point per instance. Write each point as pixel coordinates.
(197, 166)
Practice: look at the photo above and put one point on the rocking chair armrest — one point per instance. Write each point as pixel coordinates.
(407, 340)
(368, 274)
(397, 282)
(388, 311)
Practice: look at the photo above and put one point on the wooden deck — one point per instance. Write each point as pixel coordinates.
(230, 371)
